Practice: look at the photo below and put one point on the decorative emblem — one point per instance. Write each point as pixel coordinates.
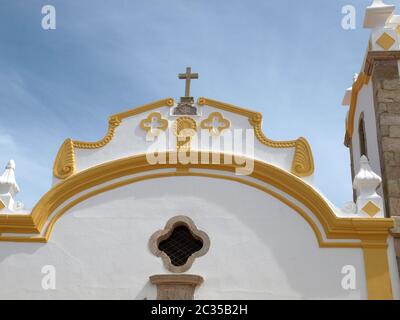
(184, 129)
(215, 124)
(371, 209)
(154, 124)
(385, 41)
(179, 244)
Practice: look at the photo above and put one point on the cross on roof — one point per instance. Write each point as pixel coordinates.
(188, 76)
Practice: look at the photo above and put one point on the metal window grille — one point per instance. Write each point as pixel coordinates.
(180, 245)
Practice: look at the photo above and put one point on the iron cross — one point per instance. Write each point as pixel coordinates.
(188, 76)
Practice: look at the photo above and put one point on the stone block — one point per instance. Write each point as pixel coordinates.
(385, 131)
(394, 131)
(394, 205)
(393, 107)
(390, 119)
(393, 84)
(394, 188)
(390, 144)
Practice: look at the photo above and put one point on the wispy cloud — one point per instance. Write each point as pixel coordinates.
(105, 57)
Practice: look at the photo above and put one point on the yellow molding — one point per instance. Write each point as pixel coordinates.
(113, 123)
(184, 129)
(116, 119)
(163, 122)
(377, 273)
(22, 224)
(64, 164)
(362, 80)
(207, 124)
(335, 228)
(302, 165)
(169, 102)
(372, 233)
(228, 107)
(303, 161)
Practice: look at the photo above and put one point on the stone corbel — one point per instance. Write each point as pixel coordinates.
(176, 287)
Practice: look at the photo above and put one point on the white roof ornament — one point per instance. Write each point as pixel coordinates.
(369, 203)
(7, 179)
(377, 14)
(9, 188)
(347, 97)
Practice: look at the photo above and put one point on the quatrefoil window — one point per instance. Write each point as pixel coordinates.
(179, 244)
(154, 124)
(215, 124)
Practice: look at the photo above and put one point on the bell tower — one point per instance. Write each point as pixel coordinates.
(373, 120)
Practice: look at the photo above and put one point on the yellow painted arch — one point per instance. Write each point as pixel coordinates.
(372, 233)
(334, 227)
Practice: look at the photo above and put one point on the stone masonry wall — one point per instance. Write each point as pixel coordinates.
(386, 85)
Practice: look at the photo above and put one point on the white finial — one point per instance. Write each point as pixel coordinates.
(366, 182)
(9, 188)
(377, 3)
(347, 97)
(377, 14)
(366, 177)
(11, 165)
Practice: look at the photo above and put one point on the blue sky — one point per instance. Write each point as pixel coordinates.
(290, 60)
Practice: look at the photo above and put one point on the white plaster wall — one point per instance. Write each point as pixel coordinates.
(365, 104)
(260, 248)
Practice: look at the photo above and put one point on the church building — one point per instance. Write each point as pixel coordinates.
(187, 198)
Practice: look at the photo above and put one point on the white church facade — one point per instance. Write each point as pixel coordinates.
(189, 199)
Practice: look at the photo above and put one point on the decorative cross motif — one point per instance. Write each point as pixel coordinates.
(215, 123)
(154, 123)
(188, 76)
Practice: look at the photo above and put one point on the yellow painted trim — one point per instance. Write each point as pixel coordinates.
(377, 273)
(335, 228)
(303, 161)
(371, 209)
(113, 123)
(169, 102)
(184, 129)
(372, 233)
(302, 165)
(362, 80)
(207, 124)
(21, 224)
(163, 122)
(385, 41)
(64, 164)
